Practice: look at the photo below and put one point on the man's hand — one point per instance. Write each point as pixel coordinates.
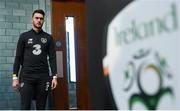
(15, 84)
(54, 83)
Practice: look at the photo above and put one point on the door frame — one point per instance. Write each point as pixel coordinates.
(61, 9)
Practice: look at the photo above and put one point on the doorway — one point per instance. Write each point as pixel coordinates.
(76, 78)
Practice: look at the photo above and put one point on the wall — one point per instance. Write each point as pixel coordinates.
(15, 18)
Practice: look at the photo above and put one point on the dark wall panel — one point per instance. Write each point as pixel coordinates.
(99, 14)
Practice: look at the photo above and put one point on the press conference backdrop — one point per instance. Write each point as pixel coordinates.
(134, 54)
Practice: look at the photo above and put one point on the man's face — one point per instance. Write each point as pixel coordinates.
(38, 20)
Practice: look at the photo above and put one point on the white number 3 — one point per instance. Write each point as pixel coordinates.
(37, 49)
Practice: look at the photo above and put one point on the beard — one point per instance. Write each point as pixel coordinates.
(37, 25)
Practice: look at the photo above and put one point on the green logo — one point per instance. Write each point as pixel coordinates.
(149, 77)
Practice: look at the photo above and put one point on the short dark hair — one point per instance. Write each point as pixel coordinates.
(38, 11)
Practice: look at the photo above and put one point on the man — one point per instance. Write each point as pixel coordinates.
(31, 70)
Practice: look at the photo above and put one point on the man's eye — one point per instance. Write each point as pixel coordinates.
(39, 18)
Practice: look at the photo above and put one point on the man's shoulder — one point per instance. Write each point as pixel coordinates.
(47, 34)
(25, 33)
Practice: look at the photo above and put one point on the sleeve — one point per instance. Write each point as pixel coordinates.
(19, 56)
(52, 57)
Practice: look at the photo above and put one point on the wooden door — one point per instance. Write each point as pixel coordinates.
(76, 9)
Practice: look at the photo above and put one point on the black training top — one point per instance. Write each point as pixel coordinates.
(32, 51)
